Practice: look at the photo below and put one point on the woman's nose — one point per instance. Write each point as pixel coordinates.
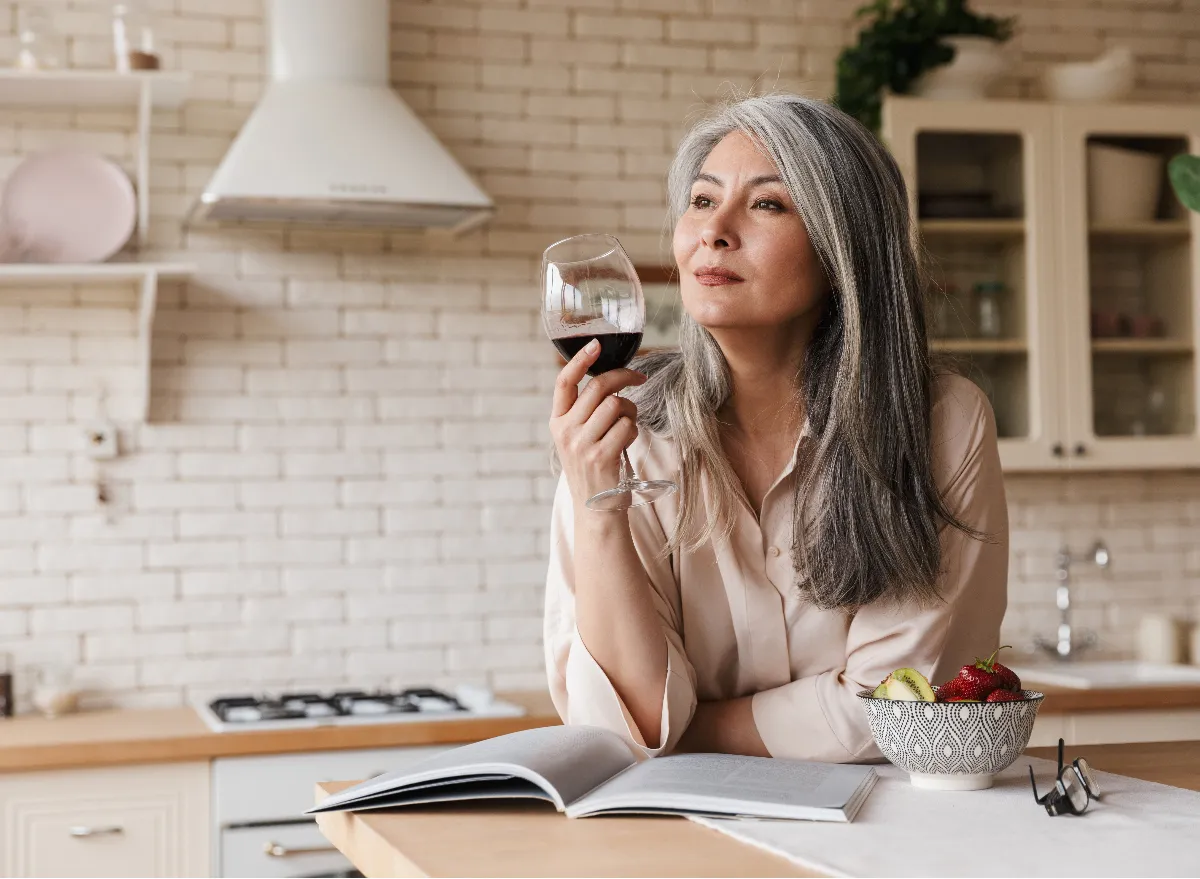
(718, 233)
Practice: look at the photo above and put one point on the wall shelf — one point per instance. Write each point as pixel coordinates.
(1141, 346)
(144, 90)
(979, 346)
(163, 89)
(974, 228)
(145, 274)
(80, 273)
(1165, 230)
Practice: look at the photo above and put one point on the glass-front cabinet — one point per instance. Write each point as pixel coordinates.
(979, 182)
(1129, 271)
(1063, 272)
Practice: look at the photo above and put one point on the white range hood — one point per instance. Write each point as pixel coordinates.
(330, 143)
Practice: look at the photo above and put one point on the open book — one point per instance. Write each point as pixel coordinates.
(586, 770)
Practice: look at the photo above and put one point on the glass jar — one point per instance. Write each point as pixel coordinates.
(39, 45)
(988, 321)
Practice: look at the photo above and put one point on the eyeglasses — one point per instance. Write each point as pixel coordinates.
(1074, 788)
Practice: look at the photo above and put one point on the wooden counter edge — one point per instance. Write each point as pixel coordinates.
(373, 854)
(185, 738)
(1061, 700)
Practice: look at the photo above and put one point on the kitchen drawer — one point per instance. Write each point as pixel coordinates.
(279, 850)
(128, 821)
(281, 786)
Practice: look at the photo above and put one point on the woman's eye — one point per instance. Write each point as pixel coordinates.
(769, 204)
(701, 201)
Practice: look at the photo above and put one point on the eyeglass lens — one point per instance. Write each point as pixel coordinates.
(1089, 778)
(1074, 790)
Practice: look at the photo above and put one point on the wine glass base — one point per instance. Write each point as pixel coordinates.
(631, 493)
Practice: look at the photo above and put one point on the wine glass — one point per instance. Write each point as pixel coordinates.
(591, 291)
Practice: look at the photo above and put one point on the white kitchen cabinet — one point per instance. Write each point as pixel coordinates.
(122, 821)
(1086, 348)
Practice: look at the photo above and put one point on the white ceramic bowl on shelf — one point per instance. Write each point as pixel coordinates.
(1110, 77)
(952, 745)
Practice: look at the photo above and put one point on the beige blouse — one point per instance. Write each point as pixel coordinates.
(735, 622)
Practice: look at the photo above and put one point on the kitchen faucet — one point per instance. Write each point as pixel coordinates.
(1069, 642)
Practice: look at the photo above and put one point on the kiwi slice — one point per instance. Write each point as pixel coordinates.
(912, 681)
(880, 692)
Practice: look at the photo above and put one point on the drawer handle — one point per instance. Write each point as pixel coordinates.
(276, 850)
(80, 831)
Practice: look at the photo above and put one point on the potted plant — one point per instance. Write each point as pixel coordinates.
(1184, 171)
(905, 40)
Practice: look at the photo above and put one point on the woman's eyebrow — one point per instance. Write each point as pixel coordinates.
(753, 181)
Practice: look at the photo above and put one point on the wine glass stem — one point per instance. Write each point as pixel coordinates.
(628, 474)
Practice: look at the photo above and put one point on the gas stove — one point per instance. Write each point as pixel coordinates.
(345, 707)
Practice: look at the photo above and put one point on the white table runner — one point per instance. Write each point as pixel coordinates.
(1137, 828)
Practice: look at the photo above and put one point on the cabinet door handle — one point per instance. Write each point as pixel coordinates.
(1080, 450)
(82, 831)
(1057, 450)
(276, 850)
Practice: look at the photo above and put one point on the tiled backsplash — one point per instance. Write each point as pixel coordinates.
(346, 473)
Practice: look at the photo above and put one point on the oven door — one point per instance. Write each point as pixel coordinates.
(291, 849)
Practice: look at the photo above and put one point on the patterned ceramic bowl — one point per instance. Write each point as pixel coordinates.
(952, 745)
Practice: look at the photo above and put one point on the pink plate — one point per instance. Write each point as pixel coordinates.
(66, 206)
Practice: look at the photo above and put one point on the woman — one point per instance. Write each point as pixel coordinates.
(842, 509)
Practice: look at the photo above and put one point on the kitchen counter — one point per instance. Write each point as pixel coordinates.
(167, 735)
(171, 735)
(533, 840)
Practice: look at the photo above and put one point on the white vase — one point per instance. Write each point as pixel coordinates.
(977, 63)
(1123, 185)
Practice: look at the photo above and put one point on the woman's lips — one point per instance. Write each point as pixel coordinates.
(717, 277)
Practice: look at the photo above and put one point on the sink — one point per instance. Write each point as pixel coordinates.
(1102, 675)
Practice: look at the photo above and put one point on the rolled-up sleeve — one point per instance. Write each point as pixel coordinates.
(819, 717)
(581, 691)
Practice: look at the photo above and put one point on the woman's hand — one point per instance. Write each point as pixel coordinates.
(593, 427)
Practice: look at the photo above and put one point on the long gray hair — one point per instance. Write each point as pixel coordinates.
(867, 511)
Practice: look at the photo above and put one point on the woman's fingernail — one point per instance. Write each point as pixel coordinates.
(593, 346)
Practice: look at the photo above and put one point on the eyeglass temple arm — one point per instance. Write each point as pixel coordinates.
(1033, 784)
(1060, 756)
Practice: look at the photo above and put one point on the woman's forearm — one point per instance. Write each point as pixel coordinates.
(724, 727)
(616, 617)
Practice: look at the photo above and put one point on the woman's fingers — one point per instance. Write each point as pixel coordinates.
(620, 437)
(607, 413)
(601, 388)
(566, 387)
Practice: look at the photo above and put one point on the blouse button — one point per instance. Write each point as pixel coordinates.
(774, 551)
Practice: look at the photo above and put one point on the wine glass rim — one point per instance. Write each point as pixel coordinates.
(616, 246)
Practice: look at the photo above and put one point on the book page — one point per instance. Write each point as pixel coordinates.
(564, 761)
(730, 784)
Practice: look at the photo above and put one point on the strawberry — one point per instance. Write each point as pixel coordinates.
(1004, 696)
(978, 680)
(1007, 675)
(949, 691)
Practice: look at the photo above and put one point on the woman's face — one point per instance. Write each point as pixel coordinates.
(743, 253)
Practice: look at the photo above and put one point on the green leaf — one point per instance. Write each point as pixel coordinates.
(1184, 171)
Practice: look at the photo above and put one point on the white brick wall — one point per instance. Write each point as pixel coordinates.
(346, 476)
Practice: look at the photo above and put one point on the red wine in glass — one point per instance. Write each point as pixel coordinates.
(616, 349)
